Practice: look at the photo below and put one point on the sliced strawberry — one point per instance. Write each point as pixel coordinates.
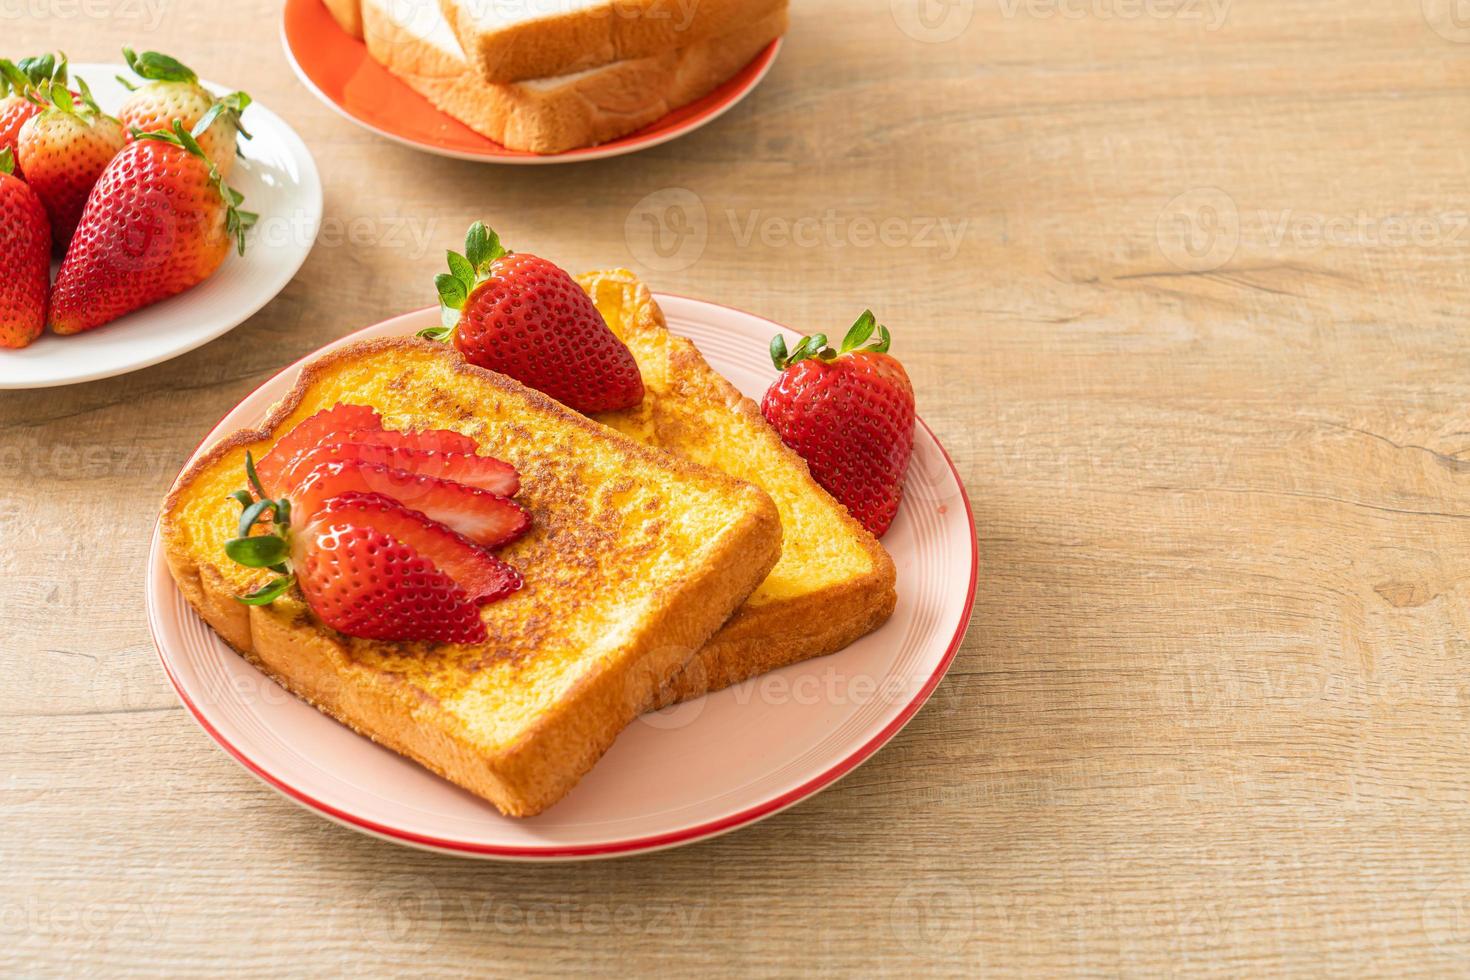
(483, 576)
(428, 440)
(487, 519)
(339, 418)
(366, 583)
(484, 472)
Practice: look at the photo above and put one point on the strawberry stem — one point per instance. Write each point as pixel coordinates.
(481, 248)
(158, 67)
(272, 550)
(856, 340)
(27, 75)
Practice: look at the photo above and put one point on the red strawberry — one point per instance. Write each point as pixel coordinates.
(850, 414)
(472, 470)
(25, 259)
(339, 419)
(174, 93)
(483, 576)
(19, 98)
(368, 565)
(522, 316)
(425, 440)
(359, 425)
(366, 583)
(487, 519)
(160, 221)
(63, 151)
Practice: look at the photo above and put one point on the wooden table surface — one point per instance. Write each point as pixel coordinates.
(1183, 288)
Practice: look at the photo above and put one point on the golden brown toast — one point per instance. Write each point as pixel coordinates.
(834, 582)
(634, 559)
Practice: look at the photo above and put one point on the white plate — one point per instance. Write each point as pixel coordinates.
(280, 183)
(688, 772)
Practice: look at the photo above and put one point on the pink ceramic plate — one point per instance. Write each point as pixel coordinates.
(675, 776)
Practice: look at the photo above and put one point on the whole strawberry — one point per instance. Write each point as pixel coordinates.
(173, 92)
(850, 414)
(19, 98)
(25, 259)
(160, 221)
(523, 316)
(62, 151)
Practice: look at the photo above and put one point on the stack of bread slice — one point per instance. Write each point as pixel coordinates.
(547, 76)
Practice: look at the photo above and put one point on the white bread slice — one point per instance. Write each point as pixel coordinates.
(412, 39)
(513, 40)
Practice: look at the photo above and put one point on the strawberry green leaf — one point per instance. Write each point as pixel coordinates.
(269, 592)
(476, 244)
(251, 475)
(460, 267)
(778, 352)
(229, 106)
(243, 498)
(452, 292)
(260, 551)
(885, 340)
(251, 515)
(481, 247)
(158, 67)
(61, 98)
(7, 161)
(439, 334)
(860, 332)
(41, 68)
(12, 78)
(90, 110)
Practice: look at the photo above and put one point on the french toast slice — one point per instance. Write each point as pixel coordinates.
(634, 558)
(834, 582)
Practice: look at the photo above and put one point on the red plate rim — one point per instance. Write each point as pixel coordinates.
(613, 848)
(654, 134)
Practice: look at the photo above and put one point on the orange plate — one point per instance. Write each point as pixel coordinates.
(339, 70)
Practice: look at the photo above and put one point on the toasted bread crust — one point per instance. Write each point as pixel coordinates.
(774, 633)
(562, 743)
(347, 14)
(583, 110)
(615, 30)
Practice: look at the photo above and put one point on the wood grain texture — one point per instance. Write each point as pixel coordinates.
(1196, 343)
